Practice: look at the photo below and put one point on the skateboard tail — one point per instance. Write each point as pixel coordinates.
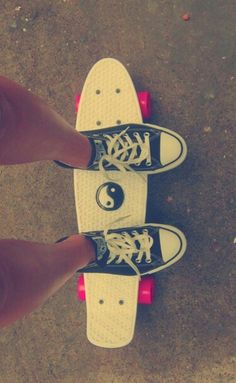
(105, 329)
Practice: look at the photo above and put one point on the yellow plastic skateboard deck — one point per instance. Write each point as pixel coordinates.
(109, 98)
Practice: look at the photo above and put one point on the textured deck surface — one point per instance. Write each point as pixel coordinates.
(108, 98)
(111, 309)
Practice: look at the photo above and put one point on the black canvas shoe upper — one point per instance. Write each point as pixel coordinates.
(134, 147)
(129, 147)
(136, 250)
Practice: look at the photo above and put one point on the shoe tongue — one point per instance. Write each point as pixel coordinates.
(102, 252)
(99, 148)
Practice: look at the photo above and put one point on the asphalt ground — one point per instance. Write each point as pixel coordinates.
(187, 335)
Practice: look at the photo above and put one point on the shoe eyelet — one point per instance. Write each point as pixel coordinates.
(136, 134)
(138, 261)
(145, 231)
(146, 134)
(148, 163)
(148, 261)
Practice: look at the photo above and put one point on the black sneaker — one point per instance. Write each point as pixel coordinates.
(142, 148)
(136, 250)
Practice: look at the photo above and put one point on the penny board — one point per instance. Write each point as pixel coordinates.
(109, 98)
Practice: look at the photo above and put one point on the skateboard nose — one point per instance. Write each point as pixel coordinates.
(170, 244)
(170, 149)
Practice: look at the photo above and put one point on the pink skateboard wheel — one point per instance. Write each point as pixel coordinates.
(81, 288)
(146, 291)
(145, 104)
(77, 101)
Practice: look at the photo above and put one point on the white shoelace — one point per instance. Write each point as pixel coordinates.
(122, 247)
(123, 152)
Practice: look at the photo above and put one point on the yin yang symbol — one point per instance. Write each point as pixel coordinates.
(110, 196)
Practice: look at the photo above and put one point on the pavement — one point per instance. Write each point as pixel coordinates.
(189, 68)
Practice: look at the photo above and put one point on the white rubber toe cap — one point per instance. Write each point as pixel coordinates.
(170, 149)
(171, 245)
